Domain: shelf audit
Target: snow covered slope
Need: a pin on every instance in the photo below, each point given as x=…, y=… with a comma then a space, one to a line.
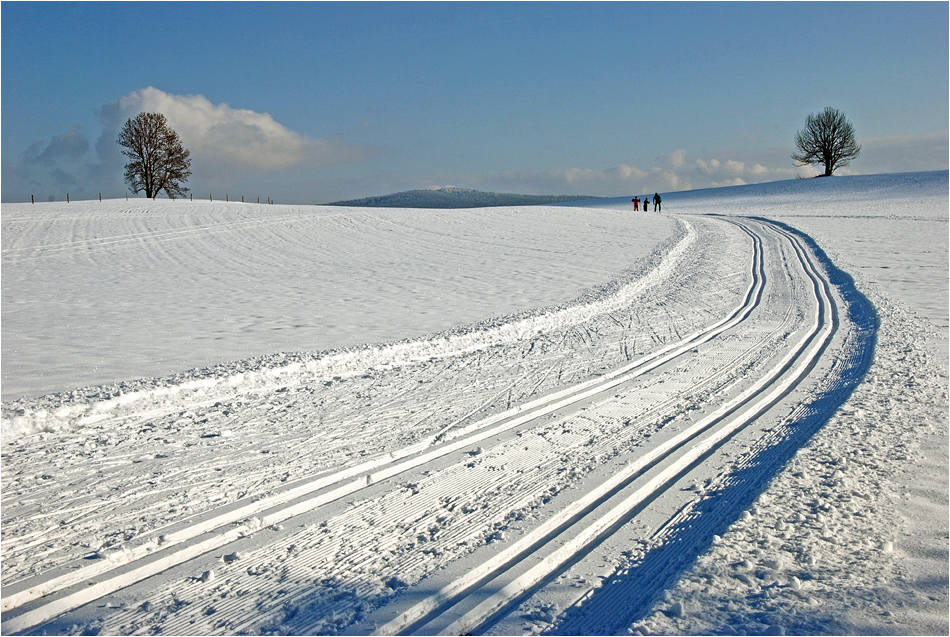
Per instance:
x=726, y=433
x=105, y=292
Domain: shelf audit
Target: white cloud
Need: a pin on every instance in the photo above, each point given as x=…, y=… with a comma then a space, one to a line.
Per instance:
x=678, y=158
x=734, y=167
x=678, y=171
x=675, y=172
x=711, y=166
x=629, y=173
x=232, y=150
x=735, y=181
x=225, y=135
x=69, y=146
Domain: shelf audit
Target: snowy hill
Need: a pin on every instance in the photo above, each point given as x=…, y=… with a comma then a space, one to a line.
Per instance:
x=452, y=197
x=728, y=418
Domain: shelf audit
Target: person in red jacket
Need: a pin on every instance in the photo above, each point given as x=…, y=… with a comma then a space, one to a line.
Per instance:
x=636, y=203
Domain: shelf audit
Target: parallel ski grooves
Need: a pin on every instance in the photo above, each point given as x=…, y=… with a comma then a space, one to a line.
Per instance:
x=310, y=495
x=693, y=444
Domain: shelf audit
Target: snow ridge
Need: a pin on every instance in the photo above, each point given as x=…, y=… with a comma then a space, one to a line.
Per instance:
x=287, y=370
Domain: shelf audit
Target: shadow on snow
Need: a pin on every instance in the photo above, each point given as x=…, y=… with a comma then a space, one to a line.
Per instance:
x=629, y=596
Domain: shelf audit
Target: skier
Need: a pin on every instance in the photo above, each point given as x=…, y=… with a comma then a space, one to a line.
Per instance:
x=656, y=202
x=636, y=203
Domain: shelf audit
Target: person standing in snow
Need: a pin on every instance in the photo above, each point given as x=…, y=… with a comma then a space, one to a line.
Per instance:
x=656, y=202
x=636, y=203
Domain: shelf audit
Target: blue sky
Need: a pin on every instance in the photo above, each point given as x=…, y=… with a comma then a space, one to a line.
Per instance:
x=316, y=102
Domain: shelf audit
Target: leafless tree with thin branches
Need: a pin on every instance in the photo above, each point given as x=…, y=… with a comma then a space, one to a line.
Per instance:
x=827, y=139
x=157, y=159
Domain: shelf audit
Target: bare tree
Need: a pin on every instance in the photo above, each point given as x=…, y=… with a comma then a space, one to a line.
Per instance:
x=157, y=159
x=827, y=139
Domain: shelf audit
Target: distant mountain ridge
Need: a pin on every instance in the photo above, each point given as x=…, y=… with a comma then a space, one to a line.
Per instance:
x=452, y=197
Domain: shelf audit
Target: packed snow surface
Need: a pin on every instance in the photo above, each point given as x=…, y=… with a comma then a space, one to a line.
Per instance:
x=104, y=292
x=729, y=417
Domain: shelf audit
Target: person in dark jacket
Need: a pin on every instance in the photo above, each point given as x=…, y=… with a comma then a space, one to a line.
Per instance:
x=656, y=202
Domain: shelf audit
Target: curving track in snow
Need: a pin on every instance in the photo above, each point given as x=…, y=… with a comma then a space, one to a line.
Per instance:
x=566, y=536
x=450, y=485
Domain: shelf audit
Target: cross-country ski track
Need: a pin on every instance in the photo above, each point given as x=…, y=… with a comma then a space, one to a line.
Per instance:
x=437, y=486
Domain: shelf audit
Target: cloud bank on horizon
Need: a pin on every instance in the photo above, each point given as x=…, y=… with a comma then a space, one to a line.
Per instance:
x=233, y=147
x=678, y=171
x=224, y=142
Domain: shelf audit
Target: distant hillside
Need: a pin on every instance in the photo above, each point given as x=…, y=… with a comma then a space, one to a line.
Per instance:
x=456, y=198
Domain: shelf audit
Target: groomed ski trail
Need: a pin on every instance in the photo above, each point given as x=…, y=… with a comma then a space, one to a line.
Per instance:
x=579, y=525
x=483, y=481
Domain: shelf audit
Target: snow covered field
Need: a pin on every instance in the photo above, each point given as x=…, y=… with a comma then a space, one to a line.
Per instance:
x=104, y=292
x=566, y=419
